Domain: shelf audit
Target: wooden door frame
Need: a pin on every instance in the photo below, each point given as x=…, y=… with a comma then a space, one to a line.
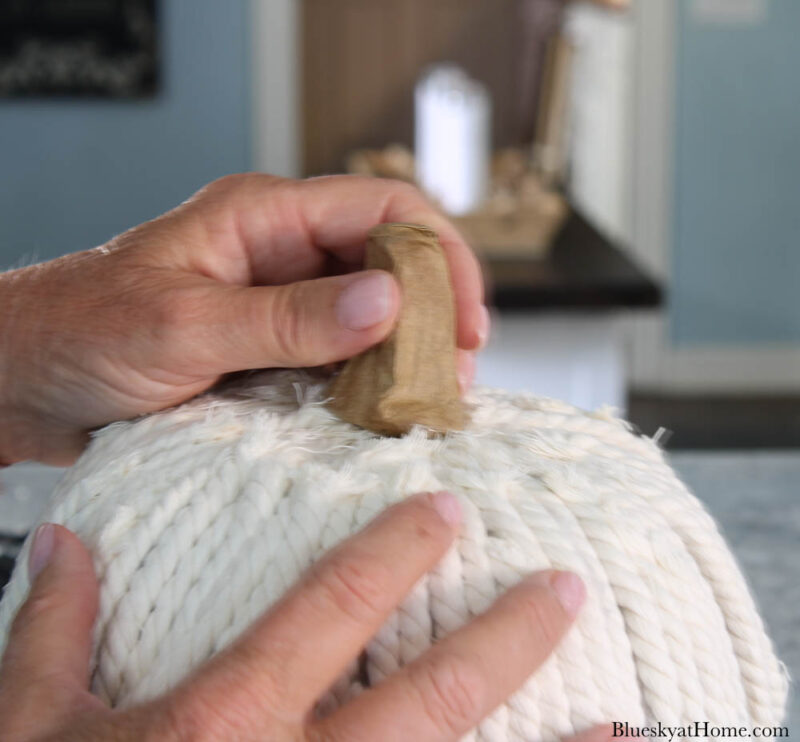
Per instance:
x=275, y=76
x=656, y=363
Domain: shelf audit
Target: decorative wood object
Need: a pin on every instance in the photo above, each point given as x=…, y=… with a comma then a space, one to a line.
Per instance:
x=410, y=378
x=362, y=58
x=520, y=217
x=551, y=145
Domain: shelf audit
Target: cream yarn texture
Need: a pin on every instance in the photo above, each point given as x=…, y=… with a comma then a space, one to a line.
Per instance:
x=200, y=517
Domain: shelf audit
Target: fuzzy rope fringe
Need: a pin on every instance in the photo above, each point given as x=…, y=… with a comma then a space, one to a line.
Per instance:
x=200, y=517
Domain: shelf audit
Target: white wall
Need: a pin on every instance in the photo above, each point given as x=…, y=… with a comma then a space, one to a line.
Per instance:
x=600, y=115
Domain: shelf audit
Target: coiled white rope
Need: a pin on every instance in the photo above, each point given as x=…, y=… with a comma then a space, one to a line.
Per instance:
x=200, y=517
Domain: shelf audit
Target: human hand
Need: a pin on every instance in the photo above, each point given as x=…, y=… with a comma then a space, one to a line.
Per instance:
x=237, y=277
x=265, y=685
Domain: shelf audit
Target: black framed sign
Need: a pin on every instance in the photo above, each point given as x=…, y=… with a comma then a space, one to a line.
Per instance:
x=79, y=48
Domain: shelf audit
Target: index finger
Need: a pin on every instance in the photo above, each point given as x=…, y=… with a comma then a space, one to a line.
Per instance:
x=286, y=227
x=361, y=203
x=292, y=655
x=449, y=689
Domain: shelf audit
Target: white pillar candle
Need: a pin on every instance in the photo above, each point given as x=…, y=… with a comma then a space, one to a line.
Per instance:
x=452, y=138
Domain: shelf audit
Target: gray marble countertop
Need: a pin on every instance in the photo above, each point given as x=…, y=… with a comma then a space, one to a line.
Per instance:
x=753, y=496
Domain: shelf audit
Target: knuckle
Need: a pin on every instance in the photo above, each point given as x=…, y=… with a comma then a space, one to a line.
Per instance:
x=424, y=523
x=404, y=189
x=254, y=669
x=213, y=721
x=228, y=183
x=41, y=603
x=189, y=716
x=154, y=721
x=408, y=195
x=542, y=623
x=232, y=180
x=174, y=722
x=288, y=326
x=354, y=586
x=452, y=692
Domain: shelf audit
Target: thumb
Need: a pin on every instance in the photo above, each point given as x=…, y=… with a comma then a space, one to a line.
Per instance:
x=308, y=323
x=46, y=662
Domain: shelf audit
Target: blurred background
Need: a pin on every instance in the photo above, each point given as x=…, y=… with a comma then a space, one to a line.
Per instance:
x=625, y=169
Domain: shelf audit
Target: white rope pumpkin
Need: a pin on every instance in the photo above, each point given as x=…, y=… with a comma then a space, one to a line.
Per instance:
x=200, y=517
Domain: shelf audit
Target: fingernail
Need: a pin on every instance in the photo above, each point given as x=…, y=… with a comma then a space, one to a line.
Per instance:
x=448, y=506
x=482, y=329
x=570, y=591
x=365, y=302
x=41, y=550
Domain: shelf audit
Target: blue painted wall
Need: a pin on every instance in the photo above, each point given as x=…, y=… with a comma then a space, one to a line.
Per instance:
x=74, y=173
x=736, y=269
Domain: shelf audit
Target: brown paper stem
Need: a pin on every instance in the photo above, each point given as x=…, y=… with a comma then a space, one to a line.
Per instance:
x=410, y=378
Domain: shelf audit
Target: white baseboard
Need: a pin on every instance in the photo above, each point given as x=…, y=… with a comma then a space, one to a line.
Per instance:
x=657, y=365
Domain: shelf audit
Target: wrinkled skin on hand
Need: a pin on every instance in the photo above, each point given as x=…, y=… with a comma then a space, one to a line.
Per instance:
x=248, y=273
x=265, y=685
